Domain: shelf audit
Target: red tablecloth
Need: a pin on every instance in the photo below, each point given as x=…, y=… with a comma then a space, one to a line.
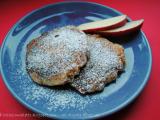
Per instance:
x=146, y=106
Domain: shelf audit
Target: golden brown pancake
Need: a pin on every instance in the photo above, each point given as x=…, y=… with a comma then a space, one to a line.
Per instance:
x=56, y=56
x=105, y=60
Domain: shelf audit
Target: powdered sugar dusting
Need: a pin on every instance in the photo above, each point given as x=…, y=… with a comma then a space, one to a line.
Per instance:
x=54, y=99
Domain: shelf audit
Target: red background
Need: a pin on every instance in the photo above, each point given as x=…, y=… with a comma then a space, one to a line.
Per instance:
x=146, y=106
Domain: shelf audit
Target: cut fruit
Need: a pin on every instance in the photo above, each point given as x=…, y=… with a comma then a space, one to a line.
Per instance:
x=105, y=24
x=128, y=28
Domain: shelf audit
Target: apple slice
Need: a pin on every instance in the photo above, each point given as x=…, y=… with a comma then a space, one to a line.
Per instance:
x=129, y=27
x=105, y=24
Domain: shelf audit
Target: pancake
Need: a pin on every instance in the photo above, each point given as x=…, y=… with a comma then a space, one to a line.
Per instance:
x=105, y=60
x=56, y=56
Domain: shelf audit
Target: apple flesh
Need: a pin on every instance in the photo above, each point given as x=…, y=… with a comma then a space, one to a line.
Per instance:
x=128, y=28
x=105, y=24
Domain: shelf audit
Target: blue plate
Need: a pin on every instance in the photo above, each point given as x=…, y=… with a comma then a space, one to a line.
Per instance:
x=66, y=103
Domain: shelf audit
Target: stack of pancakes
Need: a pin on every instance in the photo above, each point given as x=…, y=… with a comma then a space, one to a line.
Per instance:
x=68, y=55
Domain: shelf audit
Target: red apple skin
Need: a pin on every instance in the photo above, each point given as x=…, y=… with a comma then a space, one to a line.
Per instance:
x=107, y=27
x=120, y=33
